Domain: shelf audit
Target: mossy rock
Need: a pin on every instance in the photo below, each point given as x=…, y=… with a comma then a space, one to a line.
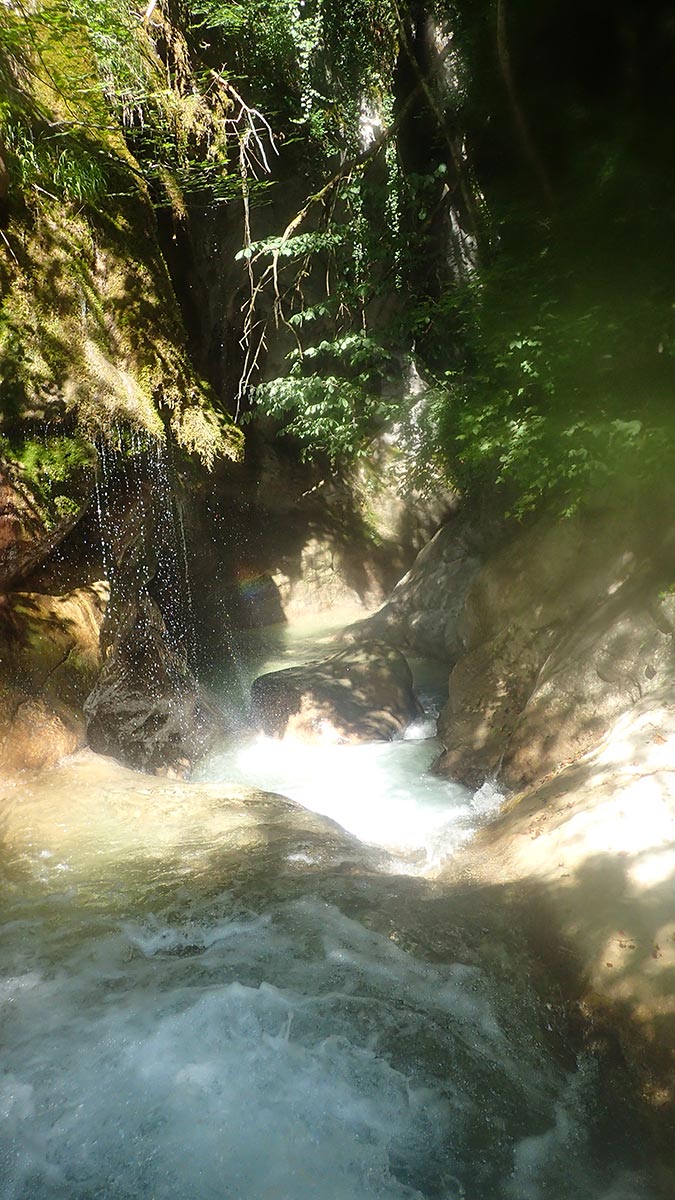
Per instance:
x=91, y=337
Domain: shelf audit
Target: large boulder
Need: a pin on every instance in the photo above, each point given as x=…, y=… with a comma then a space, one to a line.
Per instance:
x=489, y=688
x=564, y=630
x=616, y=657
x=424, y=612
x=49, y=660
x=147, y=708
x=363, y=694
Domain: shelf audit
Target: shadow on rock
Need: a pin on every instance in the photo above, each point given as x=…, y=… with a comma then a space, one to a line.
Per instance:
x=363, y=694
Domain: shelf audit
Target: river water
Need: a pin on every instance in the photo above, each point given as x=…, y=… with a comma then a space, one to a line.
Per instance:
x=201, y=1006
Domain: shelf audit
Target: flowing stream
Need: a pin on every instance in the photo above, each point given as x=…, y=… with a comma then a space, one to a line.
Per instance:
x=208, y=1002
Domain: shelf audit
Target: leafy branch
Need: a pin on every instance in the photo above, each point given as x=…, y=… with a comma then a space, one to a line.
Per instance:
x=288, y=244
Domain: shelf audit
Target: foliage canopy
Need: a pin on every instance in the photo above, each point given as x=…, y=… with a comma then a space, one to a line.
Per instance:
x=475, y=188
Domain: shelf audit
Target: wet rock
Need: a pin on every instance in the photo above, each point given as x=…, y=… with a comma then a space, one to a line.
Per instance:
x=49, y=659
x=489, y=687
x=146, y=708
x=116, y=826
x=27, y=536
x=363, y=694
x=615, y=658
x=35, y=518
x=252, y=600
x=21, y=528
x=591, y=853
x=273, y=540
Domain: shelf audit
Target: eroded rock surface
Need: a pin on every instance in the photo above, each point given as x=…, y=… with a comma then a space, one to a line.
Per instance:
x=425, y=610
x=615, y=658
x=363, y=694
x=26, y=535
x=147, y=707
x=565, y=628
x=99, y=816
x=49, y=660
x=592, y=854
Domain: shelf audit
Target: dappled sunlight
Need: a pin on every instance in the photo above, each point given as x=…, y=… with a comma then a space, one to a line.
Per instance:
x=379, y=791
x=228, y=960
x=210, y=1005
x=597, y=845
x=650, y=869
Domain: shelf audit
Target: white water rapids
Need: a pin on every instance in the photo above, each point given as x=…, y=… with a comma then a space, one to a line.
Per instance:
x=197, y=1008
x=381, y=792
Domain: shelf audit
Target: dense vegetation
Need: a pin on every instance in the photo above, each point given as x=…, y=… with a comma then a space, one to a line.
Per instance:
x=475, y=193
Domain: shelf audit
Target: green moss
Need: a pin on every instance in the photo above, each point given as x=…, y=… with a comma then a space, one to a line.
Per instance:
x=55, y=459
x=91, y=337
x=50, y=473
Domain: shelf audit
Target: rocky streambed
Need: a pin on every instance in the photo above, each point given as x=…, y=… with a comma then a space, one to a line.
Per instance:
x=208, y=990
x=475, y=997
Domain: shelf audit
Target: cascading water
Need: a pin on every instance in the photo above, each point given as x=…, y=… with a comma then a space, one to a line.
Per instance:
x=135, y=477
x=381, y=792
x=263, y=1009
x=147, y=706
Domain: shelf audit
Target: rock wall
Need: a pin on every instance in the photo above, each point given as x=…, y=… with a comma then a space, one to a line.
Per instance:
x=189, y=556
x=49, y=660
x=565, y=628
x=561, y=647
x=273, y=539
x=590, y=856
x=549, y=638
x=425, y=611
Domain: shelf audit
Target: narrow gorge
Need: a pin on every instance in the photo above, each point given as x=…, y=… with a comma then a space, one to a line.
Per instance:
x=337, y=600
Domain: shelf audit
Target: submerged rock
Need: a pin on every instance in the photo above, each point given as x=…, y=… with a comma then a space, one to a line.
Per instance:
x=112, y=824
x=363, y=694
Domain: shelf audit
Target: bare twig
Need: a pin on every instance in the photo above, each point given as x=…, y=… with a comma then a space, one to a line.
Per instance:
x=6, y=241
x=270, y=274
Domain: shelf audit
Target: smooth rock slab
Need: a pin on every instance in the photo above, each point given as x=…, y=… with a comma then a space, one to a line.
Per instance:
x=566, y=627
x=117, y=829
x=425, y=610
x=591, y=853
x=364, y=694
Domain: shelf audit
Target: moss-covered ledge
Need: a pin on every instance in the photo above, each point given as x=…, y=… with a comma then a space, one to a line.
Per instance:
x=92, y=342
